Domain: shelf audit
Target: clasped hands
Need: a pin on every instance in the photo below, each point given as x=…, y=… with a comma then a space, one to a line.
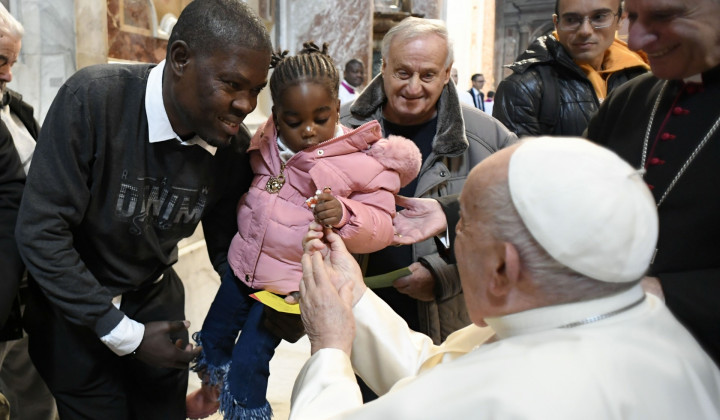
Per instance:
x=332, y=284
x=332, y=281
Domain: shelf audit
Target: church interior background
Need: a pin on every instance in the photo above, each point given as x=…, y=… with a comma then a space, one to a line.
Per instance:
x=62, y=36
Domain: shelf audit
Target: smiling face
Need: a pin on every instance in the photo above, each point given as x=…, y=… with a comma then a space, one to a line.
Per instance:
x=680, y=37
x=414, y=75
x=214, y=91
x=9, y=51
x=306, y=114
x=586, y=44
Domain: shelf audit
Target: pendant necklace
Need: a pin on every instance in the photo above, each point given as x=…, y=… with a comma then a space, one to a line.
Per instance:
x=689, y=160
x=276, y=182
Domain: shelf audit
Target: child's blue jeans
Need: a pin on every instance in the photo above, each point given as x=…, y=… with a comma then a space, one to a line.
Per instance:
x=242, y=367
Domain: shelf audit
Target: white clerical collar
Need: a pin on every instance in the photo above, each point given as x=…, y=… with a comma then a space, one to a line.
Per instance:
x=570, y=314
x=159, y=128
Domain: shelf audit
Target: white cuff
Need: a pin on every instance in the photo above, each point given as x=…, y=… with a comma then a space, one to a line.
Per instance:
x=125, y=338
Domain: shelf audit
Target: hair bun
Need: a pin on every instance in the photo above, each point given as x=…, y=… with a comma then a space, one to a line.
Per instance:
x=311, y=48
x=277, y=57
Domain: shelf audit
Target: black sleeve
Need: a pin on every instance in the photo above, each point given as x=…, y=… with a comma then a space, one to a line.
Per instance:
x=451, y=207
x=12, y=181
x=220, y=223
x=54, y=205
x=517, y=104
x=595, y=131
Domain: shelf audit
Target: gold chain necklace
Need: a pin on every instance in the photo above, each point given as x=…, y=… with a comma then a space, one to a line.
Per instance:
x=689, y=159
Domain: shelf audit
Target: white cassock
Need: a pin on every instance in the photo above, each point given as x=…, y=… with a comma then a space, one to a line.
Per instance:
x=347, y=93
x=637, y=363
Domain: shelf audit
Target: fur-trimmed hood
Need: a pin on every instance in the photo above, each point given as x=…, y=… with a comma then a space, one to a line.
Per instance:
x=450, y=137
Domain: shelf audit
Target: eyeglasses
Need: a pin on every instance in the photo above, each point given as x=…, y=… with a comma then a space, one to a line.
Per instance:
x=573, y=22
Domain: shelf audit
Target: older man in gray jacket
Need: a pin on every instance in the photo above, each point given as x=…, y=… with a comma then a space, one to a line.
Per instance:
x=412, y=97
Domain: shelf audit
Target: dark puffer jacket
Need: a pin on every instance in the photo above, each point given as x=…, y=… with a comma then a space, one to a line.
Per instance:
x=518, y=100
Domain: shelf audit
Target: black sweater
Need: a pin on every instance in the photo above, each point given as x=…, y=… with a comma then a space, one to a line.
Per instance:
x=104, y=209
x=687, y=258
x=12, y=181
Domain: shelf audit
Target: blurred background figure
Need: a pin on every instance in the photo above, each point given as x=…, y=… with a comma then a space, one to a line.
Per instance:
x=478, y=81
x=490, y=101
x=27, y=394
x=463, y=95
x=353, y=79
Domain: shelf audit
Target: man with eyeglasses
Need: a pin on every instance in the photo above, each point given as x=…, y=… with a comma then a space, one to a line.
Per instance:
x=478, y=81
x=559, y=82
x=412, y=97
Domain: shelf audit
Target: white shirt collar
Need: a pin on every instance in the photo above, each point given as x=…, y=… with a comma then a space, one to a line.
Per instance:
x=551, y=317
x=159, y=128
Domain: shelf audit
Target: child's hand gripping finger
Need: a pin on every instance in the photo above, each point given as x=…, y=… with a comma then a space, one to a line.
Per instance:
x=328, y=210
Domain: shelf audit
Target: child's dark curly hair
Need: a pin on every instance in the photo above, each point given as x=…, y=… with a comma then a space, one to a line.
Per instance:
x=311, y=64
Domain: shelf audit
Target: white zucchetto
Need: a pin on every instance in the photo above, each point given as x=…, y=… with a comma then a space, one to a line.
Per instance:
x=588, y=208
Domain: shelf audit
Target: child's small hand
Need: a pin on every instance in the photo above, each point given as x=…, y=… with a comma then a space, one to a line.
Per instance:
x=293, y=298
x=328, y=210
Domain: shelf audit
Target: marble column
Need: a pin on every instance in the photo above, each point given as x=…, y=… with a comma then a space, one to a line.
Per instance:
x=91, y=29
x=47, y=57
x=345, y=25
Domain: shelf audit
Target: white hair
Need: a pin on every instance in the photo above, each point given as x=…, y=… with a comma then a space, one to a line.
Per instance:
x=413, y=27
x=9, y=26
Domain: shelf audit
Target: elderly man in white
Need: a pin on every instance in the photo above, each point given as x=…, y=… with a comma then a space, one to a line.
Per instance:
x=553, y=239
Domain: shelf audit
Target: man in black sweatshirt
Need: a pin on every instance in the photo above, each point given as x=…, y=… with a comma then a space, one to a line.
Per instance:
x=130, y=159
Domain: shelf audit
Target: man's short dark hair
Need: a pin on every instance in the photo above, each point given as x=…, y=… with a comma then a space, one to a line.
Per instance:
x=207, y=25
x=557, y=8
x=475, y=76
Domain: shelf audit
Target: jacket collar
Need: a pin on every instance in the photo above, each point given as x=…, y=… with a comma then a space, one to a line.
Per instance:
x=548, y=49
x=450, y=136
x=10, y=97
x=544, y=49
x=23, y=110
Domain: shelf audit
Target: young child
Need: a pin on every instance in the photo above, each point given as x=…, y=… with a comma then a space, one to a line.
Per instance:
x=302, y=153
